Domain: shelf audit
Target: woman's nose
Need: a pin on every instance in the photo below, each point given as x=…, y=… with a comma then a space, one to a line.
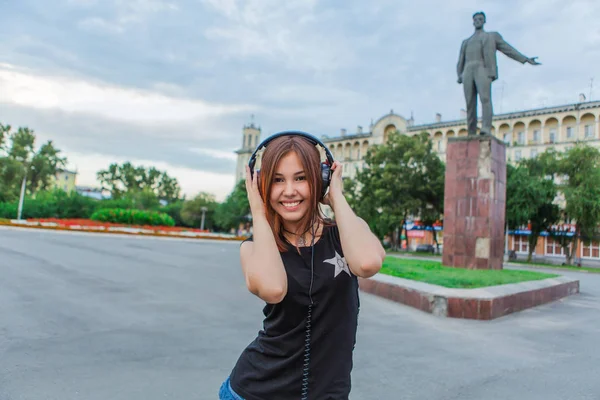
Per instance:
x=289, y=188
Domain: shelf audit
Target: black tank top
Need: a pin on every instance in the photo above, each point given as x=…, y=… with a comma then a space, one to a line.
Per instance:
x=273, y=365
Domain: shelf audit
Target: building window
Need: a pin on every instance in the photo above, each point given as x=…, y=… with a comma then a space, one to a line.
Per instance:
x=507, y=138
x=569, y=132
x=534, y=153
x=553, y=135
x=521, y=138
x=589, y=131
x=536, y=136
x=520, y=244
x=590, y=250
x=517, y=155
x=439, y=145
x=553, y=248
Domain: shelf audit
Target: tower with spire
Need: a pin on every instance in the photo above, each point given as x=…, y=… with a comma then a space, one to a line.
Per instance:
x=250, y=139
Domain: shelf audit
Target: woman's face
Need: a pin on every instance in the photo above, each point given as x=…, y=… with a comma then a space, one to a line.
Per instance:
x=290, y=192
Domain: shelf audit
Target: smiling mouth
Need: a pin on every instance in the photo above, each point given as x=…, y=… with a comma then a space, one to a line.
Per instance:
x=291, y=204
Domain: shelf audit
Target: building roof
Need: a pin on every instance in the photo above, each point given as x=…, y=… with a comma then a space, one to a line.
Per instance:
x=327, y=139
x=60, y=170
x=513, y=115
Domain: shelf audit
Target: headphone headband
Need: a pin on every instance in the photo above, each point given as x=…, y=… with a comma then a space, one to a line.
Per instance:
x=308, y=136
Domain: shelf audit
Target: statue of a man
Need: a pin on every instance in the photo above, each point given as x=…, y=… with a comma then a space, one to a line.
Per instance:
x=477, y=68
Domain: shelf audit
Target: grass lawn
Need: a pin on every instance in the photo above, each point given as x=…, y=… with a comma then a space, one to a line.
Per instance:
x=433, y=272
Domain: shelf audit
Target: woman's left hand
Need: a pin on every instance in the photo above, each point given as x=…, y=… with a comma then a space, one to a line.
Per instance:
x=336, y=186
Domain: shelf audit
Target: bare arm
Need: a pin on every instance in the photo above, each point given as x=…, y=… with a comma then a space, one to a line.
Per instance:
x=262, y=265
x=261, y=261
x=362, y=249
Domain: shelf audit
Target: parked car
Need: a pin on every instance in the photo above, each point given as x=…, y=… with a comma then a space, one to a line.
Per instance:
x=425, y=248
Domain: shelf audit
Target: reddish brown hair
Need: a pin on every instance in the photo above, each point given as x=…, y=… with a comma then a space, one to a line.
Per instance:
x=310, y=159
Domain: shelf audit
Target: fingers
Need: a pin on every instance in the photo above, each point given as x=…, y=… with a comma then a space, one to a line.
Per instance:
x=247, y=177
x=255, y=180
x=338, y=168
x=250, y=180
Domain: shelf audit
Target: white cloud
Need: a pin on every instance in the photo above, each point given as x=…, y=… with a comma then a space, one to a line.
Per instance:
x=145, y=6
x=287, y=32
x=311, y=94
x=82, y=3
x=96, y=24
x=136, y=11
x=227, y=155
x=27, y=89
x=127, y=13
x=190, y=180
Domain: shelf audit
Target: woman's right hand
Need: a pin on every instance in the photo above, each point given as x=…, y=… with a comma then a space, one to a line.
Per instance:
x=257, y=206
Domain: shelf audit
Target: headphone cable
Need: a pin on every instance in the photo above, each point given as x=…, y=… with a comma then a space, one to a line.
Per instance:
x=305, y=370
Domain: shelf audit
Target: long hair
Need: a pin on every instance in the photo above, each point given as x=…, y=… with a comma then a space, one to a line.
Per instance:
x=310, y=159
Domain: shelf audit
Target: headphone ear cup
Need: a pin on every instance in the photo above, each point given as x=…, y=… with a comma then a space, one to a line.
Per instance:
x=325, y=177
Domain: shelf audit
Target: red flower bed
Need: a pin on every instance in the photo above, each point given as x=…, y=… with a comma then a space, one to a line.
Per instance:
x=89, y=222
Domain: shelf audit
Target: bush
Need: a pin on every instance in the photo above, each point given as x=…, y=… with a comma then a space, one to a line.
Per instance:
x=174, y=210
x=51, y=204
x=133, y=217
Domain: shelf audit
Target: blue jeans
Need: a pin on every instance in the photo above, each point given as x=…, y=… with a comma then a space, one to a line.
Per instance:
x=227, y=393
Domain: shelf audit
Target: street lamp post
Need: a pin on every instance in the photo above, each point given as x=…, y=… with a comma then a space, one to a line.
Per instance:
x=202, y=222
x=22, y=196
x=506, y=243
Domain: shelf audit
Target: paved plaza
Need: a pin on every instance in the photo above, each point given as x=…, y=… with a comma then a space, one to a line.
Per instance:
x=95, y=317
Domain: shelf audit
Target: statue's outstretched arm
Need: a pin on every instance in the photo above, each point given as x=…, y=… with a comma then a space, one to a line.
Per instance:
x=508, y=50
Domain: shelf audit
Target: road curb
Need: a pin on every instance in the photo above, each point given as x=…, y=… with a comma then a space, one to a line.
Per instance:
x=121, y=231
x=481, y=304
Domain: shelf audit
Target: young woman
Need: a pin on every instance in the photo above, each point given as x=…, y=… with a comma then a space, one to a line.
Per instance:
x=305, y=268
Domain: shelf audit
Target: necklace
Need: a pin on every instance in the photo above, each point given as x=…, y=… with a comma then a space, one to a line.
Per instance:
x=301, y=241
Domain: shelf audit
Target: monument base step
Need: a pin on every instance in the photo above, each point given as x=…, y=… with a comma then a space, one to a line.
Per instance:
x=482, y=303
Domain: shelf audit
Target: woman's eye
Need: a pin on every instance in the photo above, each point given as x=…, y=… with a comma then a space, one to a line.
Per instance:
x=301, y=178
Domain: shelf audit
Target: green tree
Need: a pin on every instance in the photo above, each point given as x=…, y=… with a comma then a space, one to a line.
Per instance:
x=234, y=210
x=402, y=178
x=143, y=199
x=192, y=210
x=530, y=195
x=174, y=211
x=4, y=133
x=19, y=159
x=430, y=191
x=580, y=170
x=127, y=179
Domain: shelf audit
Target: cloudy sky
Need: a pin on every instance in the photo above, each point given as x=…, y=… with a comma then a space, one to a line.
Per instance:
x=171, y=83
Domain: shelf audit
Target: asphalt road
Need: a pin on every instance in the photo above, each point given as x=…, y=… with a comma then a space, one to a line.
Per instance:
x=98, y=317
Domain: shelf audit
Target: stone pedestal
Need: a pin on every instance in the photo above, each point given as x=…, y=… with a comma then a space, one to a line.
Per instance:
x=474, y=203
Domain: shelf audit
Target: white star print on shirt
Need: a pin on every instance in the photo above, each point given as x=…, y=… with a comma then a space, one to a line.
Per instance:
x=339, y=263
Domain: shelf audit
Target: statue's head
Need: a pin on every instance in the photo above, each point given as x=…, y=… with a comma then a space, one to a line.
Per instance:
x=479, y=19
